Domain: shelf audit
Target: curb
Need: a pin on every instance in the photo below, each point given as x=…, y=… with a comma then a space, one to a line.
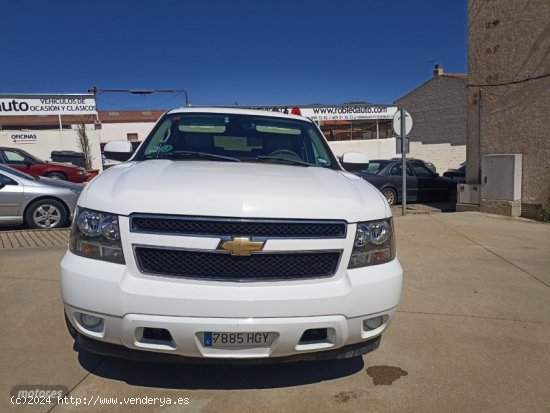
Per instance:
x=34, y=238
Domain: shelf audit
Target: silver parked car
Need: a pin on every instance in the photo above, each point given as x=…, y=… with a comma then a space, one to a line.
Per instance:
x=36, y=201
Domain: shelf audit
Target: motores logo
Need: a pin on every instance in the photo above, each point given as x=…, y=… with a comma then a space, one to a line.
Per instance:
x=38, y=391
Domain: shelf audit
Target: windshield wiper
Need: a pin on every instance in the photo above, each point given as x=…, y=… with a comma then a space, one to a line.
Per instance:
x=190, y=155
x=277, y=159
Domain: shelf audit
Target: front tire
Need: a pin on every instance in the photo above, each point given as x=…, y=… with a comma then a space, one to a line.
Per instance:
x=390, y=194
x=57, y=175
x=46, y=213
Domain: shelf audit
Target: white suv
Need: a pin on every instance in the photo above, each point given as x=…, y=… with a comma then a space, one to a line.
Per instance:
x=231, y=234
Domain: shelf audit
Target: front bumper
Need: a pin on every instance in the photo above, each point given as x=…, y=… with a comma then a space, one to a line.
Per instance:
x=128, y=302
x=114, y=350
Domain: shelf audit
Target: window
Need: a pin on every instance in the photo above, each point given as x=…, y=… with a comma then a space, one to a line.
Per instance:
x=4, y=180
x=396, y=170
x=14, y=157
x=421, y=170
x=375, y=167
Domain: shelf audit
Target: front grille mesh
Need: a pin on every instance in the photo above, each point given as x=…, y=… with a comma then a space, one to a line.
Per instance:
x=182, y=225
x=223, y=266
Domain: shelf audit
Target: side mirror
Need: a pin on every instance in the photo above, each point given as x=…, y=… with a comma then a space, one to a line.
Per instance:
x=2, y=185
x=354, y=161
x=118, y=150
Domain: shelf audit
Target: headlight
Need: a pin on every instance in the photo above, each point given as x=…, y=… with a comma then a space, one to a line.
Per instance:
x=374, y=243
x=96, y=235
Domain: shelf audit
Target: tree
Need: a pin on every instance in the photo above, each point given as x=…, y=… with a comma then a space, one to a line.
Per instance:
x=85, y=146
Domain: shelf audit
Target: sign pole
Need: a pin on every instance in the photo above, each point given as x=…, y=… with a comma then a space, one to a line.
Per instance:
x=60, y=124
x=404, y=166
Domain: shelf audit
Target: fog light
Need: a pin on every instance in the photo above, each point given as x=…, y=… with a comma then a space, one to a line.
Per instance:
x=90, y=321
x=373, y=323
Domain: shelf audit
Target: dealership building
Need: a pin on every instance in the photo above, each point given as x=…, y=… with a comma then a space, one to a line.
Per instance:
x=46, y=123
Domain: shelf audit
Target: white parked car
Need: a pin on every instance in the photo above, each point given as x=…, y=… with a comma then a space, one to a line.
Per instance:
x=231, y=234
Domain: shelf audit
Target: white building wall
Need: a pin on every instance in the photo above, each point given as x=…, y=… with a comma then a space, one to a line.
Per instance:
x=374, y=149
x=443, y=155
x=53, y=140
x=120, y=131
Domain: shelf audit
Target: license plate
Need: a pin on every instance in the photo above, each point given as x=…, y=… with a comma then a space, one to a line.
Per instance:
x=236, y=340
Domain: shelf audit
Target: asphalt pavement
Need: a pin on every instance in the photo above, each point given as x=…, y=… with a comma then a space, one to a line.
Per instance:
x=472, y=334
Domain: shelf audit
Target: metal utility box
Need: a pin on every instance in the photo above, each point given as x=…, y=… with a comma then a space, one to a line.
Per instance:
x=501, y=177
x=469, y=194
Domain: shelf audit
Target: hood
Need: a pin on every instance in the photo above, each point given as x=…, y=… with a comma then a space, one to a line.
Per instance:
x=58, y=183
x=227, y=189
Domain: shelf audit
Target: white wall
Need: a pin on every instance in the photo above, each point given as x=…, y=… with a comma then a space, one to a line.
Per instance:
x=53, y=140
x=442, y=155
x=119, y=131
x=373, y=148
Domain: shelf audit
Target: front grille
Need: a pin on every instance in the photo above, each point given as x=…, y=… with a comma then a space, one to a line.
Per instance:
x=229, y=227
x=227, y=267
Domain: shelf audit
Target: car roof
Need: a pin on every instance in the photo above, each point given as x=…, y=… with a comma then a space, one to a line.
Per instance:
x=408, y=159
x=237, y=111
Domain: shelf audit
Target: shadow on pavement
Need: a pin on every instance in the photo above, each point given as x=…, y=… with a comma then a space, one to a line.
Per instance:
x=228, y=377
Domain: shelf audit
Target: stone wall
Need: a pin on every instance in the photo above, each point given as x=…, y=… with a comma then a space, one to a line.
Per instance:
x=508, y=89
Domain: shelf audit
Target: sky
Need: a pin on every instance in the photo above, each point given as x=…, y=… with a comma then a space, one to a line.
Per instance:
x=248, y=52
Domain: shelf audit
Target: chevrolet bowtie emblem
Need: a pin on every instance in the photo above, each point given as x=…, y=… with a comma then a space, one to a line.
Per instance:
x=241, y=245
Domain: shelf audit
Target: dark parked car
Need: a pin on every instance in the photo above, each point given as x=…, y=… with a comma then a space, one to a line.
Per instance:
x=459, y=174
x=422, y=183
x=29, y=164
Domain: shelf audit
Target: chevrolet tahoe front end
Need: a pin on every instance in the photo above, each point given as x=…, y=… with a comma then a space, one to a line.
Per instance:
x=231, y=234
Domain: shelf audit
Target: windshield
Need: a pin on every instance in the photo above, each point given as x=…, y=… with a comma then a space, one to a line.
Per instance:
x=237, y=138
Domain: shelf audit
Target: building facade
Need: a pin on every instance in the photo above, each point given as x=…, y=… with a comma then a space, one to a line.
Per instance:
x=438, y=109
x=508, y=95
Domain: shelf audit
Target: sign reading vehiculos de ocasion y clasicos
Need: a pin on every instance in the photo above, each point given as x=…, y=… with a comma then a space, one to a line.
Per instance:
x=67, y=104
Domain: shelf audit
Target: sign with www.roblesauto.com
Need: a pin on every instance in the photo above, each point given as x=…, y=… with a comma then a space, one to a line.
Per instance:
x=21, y=105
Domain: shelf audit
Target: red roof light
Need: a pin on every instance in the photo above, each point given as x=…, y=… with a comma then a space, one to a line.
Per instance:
x=296, y=111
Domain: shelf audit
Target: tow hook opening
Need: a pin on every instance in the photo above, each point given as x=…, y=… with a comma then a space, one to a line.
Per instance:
x=314, y=335
x=152, y=337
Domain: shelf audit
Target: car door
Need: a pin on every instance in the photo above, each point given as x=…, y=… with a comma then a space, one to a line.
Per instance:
x=429, y=187
x=18, y=160
x=11, y=196
x=396, y=178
